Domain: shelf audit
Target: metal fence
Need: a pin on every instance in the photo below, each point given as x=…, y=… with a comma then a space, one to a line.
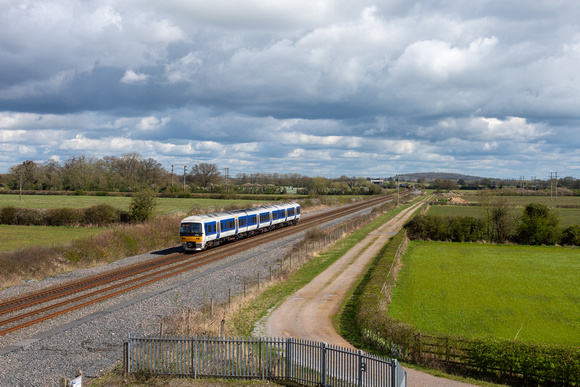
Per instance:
x=287, y=359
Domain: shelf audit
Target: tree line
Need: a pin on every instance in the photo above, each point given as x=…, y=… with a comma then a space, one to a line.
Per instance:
x=536, y=225
x=568, y=182
x=133, y=173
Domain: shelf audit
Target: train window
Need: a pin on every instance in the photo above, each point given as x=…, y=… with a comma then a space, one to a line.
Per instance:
x=190, y=228
x=291, y=212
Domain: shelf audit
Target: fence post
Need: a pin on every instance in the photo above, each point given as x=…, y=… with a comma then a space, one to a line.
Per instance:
x=195, y=357
x=323, y=364
x=260, y=356
x=394, y=373
x=289, y=358
x=129, y=353
x=125, y=358
x=360, y=368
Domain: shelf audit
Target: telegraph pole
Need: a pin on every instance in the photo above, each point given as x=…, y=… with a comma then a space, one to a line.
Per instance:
x=552, y=183
x=397, y=190
x=556, y=186
x=227, y=176
x=184, y=174
x=171, y=177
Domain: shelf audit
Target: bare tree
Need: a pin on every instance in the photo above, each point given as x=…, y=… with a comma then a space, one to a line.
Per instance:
x=28, y=171
x=204, y=174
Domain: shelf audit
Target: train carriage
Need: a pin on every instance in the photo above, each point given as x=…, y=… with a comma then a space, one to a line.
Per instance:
x=201, y=231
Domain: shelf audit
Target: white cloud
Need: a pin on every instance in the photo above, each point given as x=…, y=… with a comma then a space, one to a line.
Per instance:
x=307, y=85
x=12, y=135
x=131, y=77
x=153, y=123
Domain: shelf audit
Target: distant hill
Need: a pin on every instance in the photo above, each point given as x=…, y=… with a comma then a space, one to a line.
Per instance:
x=430, y=176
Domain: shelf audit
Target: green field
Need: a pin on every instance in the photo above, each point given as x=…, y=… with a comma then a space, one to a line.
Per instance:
x=524, y=292
x=16, y=237
x=166, y=205
x=568, y=216
x=521, y=201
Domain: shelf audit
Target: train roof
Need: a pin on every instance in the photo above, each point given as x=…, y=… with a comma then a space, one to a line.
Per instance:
x=229, y=214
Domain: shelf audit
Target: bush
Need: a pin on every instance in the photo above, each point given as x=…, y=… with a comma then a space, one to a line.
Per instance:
x=8, y=215
x=446, y=228
x=538, y=226
x=142, y=206
x=571, y=236
x=31, y=217
x=63, y=217
x=101, y=215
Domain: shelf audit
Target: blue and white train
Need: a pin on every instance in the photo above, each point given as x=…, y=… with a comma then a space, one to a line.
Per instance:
x=201, y=231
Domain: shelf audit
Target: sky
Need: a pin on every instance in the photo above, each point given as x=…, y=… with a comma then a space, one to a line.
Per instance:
x=315, y=87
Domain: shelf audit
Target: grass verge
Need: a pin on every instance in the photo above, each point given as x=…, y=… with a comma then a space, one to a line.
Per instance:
x=243, y=322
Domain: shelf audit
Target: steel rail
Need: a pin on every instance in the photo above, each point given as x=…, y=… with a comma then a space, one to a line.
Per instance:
x=113, y=275
x=198, y=261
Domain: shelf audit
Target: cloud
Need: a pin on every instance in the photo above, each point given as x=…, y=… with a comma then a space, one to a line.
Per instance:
x=131, y=77
x=327, y=87
x=153, y=123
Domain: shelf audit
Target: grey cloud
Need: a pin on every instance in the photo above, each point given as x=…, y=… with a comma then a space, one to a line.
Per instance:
x=327, y=87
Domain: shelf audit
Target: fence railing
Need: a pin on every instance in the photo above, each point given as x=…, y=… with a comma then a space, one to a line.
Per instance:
x=300, y=361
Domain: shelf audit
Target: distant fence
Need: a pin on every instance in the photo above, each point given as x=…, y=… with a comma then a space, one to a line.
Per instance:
x=285, y=359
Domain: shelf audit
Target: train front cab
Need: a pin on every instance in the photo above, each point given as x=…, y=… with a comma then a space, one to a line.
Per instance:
x=191, y=235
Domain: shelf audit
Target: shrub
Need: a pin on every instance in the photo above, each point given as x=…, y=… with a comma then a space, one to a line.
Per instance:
x=466, y=229
x=63, y=217
x=571, y=235
x=142, y=206
x=31, y=217
x=8, y=215
x=538, y=225
x=446, y=228
x=102, y=215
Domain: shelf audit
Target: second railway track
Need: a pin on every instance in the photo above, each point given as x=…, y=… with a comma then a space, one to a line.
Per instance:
x=31, y=308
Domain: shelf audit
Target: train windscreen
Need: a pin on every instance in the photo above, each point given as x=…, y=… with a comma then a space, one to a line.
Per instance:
x=190, y=228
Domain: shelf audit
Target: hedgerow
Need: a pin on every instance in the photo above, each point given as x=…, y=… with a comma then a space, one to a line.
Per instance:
x=97, y=215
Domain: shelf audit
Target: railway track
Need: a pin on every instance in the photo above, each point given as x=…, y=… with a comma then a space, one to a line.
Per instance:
x=31, y=308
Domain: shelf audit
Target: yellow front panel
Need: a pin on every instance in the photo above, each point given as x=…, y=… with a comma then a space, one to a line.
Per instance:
x=196, y=239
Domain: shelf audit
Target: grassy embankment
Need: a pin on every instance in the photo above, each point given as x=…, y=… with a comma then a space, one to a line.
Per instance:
x=243, y=322
x=17, y=237
x=531, y=293
x=94, y=247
